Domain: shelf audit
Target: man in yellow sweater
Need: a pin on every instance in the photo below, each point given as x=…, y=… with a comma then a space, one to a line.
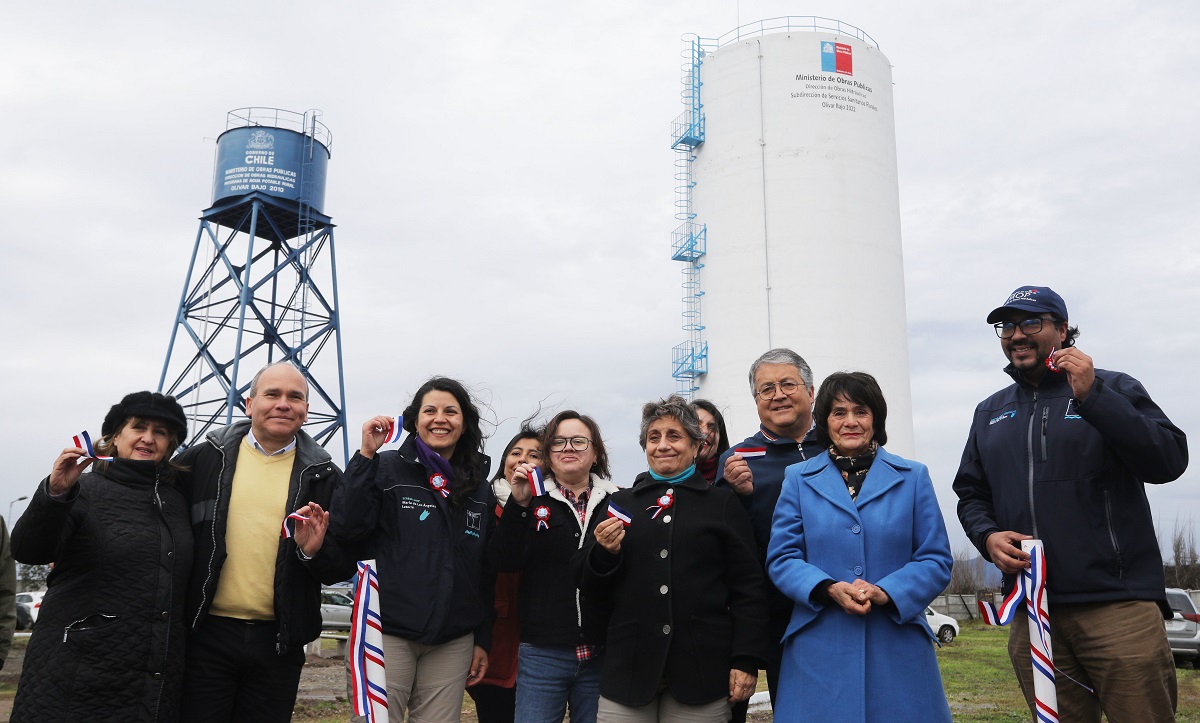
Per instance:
x=253, y=600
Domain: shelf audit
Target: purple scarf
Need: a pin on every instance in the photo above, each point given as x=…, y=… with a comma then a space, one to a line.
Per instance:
x=433, y=460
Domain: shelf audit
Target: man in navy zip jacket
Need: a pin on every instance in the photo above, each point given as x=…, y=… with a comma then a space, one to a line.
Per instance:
x=1062, y=455
x=781, y=383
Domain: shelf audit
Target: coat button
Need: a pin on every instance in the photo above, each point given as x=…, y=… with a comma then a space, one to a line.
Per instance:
x=577, y=534
x=667, y=518
x=171, y=553
x=666, y=630
x=856, y=529
x=662, y=590
x=662, y=553
x=858, y=569
x=158, y=676
x=164, y=615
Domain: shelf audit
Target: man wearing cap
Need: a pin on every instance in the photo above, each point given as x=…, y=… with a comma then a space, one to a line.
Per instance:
x=254, y=599
x=1062, y=455
x=781, y=383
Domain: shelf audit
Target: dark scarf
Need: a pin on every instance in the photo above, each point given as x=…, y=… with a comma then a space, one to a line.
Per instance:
x=708, y=468
x=854, y=469
x=434, y=461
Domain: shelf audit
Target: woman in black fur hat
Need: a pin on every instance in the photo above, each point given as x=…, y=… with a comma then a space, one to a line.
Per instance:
x=108, y=643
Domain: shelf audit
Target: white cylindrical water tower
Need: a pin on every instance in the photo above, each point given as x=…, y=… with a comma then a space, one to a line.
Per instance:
x=795, y=184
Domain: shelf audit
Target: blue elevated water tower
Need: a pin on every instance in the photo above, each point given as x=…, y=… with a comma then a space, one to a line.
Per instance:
x=262, y=283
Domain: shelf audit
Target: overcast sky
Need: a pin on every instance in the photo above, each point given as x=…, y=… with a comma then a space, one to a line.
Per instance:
x=502, y=185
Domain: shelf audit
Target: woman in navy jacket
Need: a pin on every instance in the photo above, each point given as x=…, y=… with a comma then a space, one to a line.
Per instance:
x=859, y=544
x=424, y=513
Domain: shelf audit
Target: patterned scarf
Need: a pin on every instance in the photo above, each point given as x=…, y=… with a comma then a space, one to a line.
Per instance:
x=854, y=469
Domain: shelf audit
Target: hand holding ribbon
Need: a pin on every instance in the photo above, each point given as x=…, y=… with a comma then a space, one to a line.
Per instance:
x=311, y=523
x=67, y=468
x=378, y=431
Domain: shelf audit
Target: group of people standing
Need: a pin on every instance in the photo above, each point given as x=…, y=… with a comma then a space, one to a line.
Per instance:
x=808, y=550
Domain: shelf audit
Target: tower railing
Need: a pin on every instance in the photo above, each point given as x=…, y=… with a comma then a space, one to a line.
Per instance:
x=786, y=23
x=305, y=123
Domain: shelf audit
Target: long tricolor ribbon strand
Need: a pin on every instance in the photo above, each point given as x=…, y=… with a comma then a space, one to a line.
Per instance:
x=1030, y=588
x=367, y=678
x=83, y=441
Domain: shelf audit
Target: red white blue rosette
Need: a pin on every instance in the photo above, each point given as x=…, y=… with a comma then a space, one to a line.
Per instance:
x=1050, y=360
x=439, y=484
x=542, y=513
x=664, y=502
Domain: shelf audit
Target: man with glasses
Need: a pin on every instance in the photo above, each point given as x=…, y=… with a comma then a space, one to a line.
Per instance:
x=1062, y=455
x=781, y=383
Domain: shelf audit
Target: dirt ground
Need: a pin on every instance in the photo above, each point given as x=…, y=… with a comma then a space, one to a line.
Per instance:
x=323, y=679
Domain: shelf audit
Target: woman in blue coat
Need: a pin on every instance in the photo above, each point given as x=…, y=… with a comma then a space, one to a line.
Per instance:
x=859, y=544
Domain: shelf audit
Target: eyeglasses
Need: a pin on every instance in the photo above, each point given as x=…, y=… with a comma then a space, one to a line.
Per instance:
x=1029, y=327
x=579, y=444
x=767, y=391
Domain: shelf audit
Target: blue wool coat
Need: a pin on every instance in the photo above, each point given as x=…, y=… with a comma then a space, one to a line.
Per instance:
x=873, y=667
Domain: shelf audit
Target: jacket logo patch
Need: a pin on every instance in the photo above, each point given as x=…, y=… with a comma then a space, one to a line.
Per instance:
x=1071, y=413
x=1010, y=414
x=474, y=519
x=424, y=514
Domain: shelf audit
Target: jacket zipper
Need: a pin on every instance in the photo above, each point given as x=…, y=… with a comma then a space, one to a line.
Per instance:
x=212, y=555
x=1029, y=461
x=1112, y=534
x=170, y=594
x=1045, y=419
x=67, y=629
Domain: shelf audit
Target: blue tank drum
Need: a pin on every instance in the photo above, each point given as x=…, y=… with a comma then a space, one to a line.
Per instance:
x=279, y=162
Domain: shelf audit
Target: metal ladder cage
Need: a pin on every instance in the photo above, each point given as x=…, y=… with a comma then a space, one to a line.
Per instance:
x=689, y=359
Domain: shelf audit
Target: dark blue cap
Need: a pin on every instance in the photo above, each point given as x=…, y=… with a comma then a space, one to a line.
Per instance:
x=1035, y=299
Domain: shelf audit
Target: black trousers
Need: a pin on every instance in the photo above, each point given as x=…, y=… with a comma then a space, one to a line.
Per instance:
x=233, y=674
x=494, y=704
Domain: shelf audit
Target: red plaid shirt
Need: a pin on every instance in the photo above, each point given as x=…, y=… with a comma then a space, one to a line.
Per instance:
x=580, y=503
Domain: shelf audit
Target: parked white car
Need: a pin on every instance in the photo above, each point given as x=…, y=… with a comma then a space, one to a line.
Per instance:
x=944, y=627
x=336, y=608
x=33, y=599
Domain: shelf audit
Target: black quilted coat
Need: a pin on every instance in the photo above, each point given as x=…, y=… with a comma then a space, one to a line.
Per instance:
x=109, y=640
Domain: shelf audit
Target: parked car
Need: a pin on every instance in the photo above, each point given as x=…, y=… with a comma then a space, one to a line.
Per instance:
x=24, y=616
x=336, y=608
x=944, y=627
x=1183, y=630
x=33, y=598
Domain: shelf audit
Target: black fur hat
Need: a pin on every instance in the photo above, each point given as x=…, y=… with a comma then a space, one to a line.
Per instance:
x=146, y=405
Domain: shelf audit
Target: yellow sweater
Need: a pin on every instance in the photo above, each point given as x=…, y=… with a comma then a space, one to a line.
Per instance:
x=257, y=506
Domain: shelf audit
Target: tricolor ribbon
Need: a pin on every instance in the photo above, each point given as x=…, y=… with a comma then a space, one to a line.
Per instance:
x=664, y=501
x=396, y=431
x=288, y=530
x=542, y=513
x=84, y=441
x=537, y=482
x=438, y=482
x=747, y=452
x=1050, y=361
x=367, y=680
x=1030, y=588
x=620, y=514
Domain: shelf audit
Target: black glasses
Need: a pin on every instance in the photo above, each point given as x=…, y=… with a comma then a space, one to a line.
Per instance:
x=1029, y=327
x=767, y=391
x=579, y=444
